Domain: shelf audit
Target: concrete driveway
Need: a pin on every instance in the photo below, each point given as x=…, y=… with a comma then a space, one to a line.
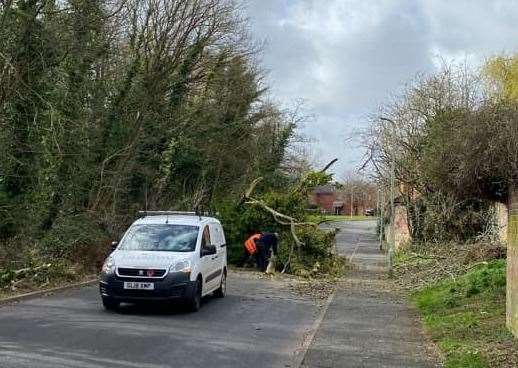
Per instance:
x=261, y=323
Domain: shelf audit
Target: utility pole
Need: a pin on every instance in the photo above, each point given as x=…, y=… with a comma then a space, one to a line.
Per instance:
x=379, y=212
x=392, y=208
x=352, y=201
x=392, y=242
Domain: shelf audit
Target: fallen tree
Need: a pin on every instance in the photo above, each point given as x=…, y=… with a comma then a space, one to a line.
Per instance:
x=287, y=209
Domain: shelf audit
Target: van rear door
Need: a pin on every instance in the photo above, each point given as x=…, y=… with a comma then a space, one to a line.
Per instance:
x=218, y=239
x=208, y=262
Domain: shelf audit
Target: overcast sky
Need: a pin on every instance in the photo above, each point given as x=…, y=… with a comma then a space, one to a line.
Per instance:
x=345, y=57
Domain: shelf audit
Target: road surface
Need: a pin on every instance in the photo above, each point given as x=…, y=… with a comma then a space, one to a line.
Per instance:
x=260, y=323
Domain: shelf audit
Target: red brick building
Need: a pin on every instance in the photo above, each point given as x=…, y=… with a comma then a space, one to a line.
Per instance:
x=331, y=200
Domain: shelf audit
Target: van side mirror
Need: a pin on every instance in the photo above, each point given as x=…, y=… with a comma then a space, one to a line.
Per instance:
x=208, y=250
x=114, y=244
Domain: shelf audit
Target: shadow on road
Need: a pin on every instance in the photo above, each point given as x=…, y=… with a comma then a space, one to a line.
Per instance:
x=161, y=308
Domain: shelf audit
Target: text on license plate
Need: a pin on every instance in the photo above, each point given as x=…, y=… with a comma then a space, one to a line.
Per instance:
x=139, y=285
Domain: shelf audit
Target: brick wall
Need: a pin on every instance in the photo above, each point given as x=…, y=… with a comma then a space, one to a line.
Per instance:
x=512, y=264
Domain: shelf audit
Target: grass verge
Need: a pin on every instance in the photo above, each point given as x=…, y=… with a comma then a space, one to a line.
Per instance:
x=465, y=315
x=323, y=218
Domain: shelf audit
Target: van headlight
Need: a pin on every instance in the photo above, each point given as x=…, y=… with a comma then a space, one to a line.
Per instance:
x=108, y=266
x=181, y=266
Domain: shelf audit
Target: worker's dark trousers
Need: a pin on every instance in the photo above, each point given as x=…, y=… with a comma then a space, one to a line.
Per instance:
x=245, y=258
x=260, y=257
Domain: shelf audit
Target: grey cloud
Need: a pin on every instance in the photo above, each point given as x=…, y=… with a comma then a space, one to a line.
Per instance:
x=372, y=62
x=345, y=57
x=477, y=27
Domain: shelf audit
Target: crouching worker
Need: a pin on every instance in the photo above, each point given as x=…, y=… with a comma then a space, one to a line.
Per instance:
x=249, y=250
x=266, y=246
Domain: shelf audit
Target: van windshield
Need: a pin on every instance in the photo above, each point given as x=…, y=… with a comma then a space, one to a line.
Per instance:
x=160, y=237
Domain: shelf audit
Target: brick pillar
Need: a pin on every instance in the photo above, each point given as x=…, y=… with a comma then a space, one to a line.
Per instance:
x=501, y=220
x=512, y=263
x=402, y=236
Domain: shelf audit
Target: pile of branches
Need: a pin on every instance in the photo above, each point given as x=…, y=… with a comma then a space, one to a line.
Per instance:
x=10, y=279
x=426, y=264
x=35, y=275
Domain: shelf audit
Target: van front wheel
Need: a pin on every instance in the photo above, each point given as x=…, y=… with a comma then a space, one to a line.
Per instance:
x=222, y=290
x=110, y=304
x=194, y=302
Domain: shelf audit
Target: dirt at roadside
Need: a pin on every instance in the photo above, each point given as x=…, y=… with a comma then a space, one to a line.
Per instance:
x=427, y=264
x=317, y=289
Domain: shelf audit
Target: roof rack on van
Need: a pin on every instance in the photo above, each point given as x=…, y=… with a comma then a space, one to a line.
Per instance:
x=171, y=213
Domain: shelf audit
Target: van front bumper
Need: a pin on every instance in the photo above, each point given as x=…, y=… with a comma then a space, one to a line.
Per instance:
x=175, y=286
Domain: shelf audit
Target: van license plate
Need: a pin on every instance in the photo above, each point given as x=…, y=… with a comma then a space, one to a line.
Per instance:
x=139, y=285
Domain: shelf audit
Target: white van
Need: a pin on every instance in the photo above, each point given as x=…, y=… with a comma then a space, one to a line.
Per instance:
x=169, y=256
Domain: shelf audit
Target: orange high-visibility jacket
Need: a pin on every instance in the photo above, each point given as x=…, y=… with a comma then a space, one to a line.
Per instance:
x=250, y=246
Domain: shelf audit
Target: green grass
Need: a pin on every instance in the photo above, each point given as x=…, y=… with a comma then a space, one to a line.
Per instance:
x=466, y=316
x=322, y=218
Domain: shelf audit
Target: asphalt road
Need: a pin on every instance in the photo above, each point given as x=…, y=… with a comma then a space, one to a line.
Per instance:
x=260, y=323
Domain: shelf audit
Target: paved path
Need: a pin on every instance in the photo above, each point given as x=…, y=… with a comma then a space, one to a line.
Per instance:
x=366, y=325
x=358, y=242
x=261, y=323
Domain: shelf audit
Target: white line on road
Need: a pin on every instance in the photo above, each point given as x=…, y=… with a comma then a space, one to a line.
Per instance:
x=300, y=354
x=355, y=248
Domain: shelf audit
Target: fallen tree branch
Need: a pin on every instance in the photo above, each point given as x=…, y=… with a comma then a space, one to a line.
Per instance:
x=421, y=256
x=257, y=202
x=276, y=214
x=252, y=186
x=306, y=176
x=329, y=165
x=30, y=269
x=485, y=263
x=18, y=275
x=279, y=217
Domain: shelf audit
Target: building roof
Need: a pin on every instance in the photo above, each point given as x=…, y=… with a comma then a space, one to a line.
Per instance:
x=324, y=189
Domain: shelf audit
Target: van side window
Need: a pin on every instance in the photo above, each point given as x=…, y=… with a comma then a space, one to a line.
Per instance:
x=205, y=240
x=215, y=234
